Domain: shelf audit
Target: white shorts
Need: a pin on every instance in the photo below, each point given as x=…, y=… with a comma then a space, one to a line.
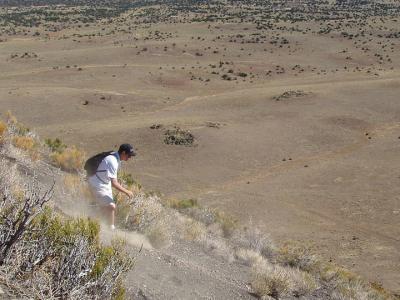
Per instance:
x=104, y=200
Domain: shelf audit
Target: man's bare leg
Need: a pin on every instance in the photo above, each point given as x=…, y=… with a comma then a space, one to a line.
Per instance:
x=109, y=214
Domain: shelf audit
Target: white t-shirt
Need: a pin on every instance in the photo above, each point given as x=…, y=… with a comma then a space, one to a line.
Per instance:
x=107, y=170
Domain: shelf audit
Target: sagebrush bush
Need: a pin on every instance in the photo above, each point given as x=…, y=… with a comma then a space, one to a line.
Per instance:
x=71, y=159
x=49, y=256
x=253, y=238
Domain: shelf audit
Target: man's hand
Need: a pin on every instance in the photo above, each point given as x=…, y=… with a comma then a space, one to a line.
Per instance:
x=120, y=188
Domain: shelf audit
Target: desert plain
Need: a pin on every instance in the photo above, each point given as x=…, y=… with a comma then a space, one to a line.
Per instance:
x=296, y=120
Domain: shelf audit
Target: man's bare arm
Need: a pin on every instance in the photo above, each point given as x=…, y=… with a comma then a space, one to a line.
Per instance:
x=116, y=184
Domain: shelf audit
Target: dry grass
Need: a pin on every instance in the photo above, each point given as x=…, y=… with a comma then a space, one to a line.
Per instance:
x=181, y=203
x=350, y=286
x=194, y=231
x=228, y=223
x=3, y=130
x=75, y=185
x=218, y=247
x=71, y=159
x=28, y=144
x=123, y=212
x=146, y=215
x=24, y=142
x=248, y=257
x=297, y=255
x=17, y=128
x=278, y=281
x=11, y=118
x=15, y=134
x=72, y=182
x=144, y=211
x=358, y=290
x=254, y=239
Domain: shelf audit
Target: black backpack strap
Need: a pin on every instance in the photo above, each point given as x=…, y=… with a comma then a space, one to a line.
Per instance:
x=98, y=177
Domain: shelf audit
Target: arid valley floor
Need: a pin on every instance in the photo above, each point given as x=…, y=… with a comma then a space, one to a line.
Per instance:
x=296, y=125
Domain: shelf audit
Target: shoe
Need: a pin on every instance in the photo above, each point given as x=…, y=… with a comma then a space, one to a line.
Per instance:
x=112, y=227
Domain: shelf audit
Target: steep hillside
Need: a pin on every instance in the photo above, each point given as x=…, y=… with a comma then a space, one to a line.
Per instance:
x=180, y=250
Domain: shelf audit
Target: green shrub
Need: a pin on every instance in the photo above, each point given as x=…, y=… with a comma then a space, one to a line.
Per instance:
x=182, y=203
x=55, y=145
x=59, y=229
x=103, y=265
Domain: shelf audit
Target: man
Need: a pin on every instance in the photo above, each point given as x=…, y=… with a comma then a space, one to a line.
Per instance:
x=105, y=178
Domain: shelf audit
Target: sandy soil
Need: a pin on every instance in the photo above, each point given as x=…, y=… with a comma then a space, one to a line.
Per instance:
x=321, y=167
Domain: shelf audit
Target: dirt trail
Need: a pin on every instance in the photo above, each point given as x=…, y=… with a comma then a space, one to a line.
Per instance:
x=185, y=271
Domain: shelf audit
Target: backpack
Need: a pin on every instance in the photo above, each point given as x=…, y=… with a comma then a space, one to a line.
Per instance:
x=92, y=164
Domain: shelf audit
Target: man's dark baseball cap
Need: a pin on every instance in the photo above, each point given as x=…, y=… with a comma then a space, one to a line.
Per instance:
x=128, y=149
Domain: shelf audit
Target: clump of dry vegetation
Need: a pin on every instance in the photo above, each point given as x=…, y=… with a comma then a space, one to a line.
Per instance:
x=145, y=214
x=281, y=282
x=297, y=255
x=181, y=203
x=290, y=94
x=71, y=159
x=3, y=130
x=15, y=134
x=178, y=136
